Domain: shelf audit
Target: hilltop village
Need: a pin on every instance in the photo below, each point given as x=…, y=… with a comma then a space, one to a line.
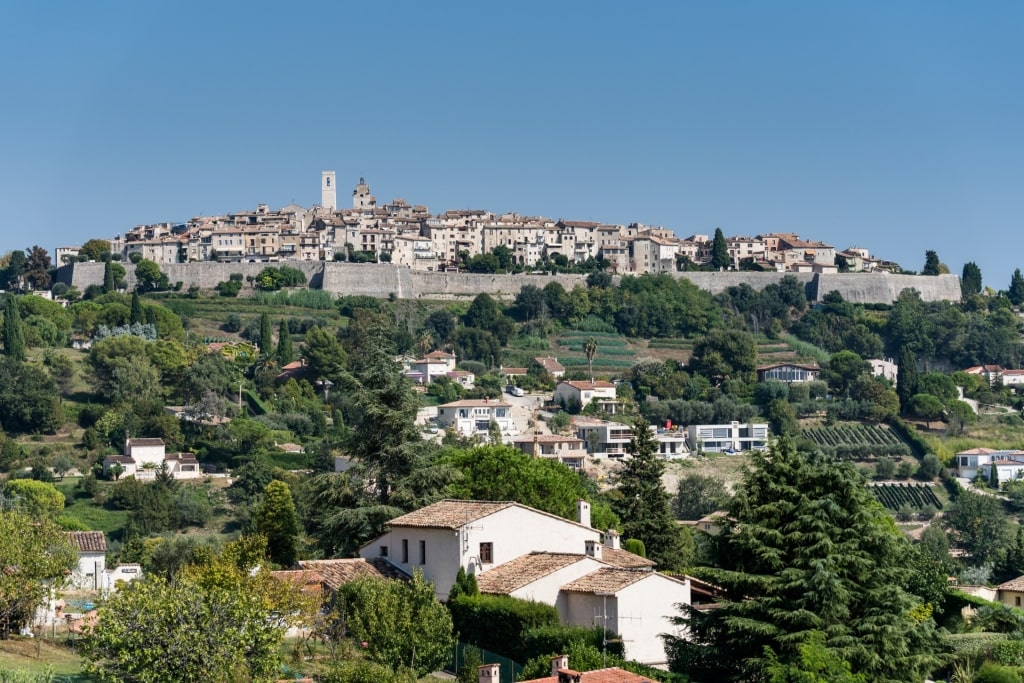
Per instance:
x=381, y=445
x=474, y=240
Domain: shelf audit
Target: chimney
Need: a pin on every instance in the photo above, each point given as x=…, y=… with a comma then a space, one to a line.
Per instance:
x=593, y=549
x=488, y=673
x=611, y=539
x=583, y=512
x=557, y=662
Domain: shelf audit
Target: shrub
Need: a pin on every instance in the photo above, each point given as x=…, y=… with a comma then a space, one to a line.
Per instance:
x=996, y=673
x=498, y=623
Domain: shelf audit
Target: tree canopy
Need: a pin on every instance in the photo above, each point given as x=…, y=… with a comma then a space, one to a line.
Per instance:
x=809, y=551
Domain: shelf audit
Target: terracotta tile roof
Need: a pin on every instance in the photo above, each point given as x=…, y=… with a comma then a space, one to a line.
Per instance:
x=550, y=364
x=306, y=580
x=439, y=354
x=88, y=541
x=805, y=366
x=513, y=371
x=523, y=571
x=1012, y=585
x=449, y=514
x=606, y=580
x=187, y=458
x=335, y=573
x=590, y=386
x=624, y=559
x=609, y=675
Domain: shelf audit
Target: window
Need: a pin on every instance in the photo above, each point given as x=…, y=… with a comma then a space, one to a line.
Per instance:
x=1018, y=600
x=405, y=551
x=423, y=552
x=383, y=551
x=487, y=555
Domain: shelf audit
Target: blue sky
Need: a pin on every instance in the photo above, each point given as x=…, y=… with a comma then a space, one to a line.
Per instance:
x=893, y=126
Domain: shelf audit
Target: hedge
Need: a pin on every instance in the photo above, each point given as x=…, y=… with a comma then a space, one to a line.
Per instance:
x=555, y=640
x=498, y=623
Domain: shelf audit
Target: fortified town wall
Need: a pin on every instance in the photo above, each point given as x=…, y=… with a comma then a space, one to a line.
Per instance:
x=384, y=279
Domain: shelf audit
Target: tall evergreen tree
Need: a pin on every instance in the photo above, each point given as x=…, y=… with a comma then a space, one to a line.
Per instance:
x=277, y=520
x=1016, y=291
x=809, y=551
x=970, y=279
x=138, y=316
x=285, y=353
x=931, y=263
x=266, y=335
x=719, y=251
x=644, y=506
x=108, y=277
x=907, y=377
x=384, y=437
x=14, y=336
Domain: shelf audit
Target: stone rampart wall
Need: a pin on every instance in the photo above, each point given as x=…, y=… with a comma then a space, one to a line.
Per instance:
x=385, y=279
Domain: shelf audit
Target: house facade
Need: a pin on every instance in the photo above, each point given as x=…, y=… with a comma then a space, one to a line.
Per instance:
x=476, y=536
x=143, y=458
x=473, y=417
x=1008, y=463
x=519, y=551
x=568, y=450
x=583, y=393
x=790, y=373
x=732, y=437
x=92, y=560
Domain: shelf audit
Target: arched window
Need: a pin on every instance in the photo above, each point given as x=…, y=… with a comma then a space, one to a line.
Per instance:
x=328, y=182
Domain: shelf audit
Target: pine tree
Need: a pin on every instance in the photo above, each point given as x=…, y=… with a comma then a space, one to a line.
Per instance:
x=644, y=506
x=809, y=551
x=108, y=277
x=719, y=251
x=266, y=335
x=907, y=377
x=138, y=315
x=14, y=336
x=285, y=353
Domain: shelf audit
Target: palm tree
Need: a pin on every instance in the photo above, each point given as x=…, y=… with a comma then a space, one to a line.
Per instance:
x=590, y=348
x=425, y=342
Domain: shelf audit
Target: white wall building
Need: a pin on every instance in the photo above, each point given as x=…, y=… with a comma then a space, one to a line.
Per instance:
x=143, y=457
x=473, y=417
x=92, y=559
x=734, y=436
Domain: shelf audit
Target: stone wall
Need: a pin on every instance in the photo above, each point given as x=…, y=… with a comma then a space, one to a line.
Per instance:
x=384, y=279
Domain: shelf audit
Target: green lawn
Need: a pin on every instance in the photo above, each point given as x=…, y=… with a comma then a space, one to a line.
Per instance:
x=30, y=655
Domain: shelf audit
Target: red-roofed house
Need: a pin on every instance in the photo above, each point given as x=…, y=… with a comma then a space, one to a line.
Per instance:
x=583, y=393
x=516, y=550
x=553, y=367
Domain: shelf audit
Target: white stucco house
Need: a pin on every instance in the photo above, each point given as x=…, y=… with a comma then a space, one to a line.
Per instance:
x=473, y=417
x=1008, y=463
x=143, y=458
x=526, y=553
x=92, y=560
x=584, y=393
x=725, y=438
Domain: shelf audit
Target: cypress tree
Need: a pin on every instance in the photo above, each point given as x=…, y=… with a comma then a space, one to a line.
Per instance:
x=14, y=336
x=108, y=277
x=1016, y=291
x=138, y=316
x=970, y=279
x=266, y=335
x=285, y=353
x=719, y=251
x=931, y=263
x=907, y=377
